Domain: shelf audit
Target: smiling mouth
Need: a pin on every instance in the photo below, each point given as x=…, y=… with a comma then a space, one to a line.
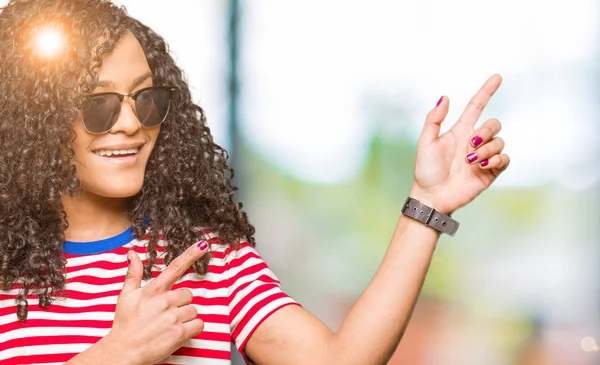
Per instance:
x=117, y=153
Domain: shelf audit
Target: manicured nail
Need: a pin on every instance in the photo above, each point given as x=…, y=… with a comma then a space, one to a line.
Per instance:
x=439, y=102
x=484, y=163
x=203, y=245
x=476, y=141
x=128, y=261
x=472, y=157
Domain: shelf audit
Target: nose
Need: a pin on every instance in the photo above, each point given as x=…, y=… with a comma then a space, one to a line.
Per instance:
x=127, y=121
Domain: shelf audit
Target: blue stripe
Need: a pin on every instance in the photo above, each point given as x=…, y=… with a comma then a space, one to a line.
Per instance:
x=107, y=244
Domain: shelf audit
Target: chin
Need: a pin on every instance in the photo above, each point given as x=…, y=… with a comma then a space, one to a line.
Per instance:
x=121, y=192
x=114, y=189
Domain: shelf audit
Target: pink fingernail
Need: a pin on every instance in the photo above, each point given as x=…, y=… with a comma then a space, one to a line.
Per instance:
x=203, y=245
x=128, y=261
x=476, y=141
x=472, y=157
x=439, y=102
x=484, y=163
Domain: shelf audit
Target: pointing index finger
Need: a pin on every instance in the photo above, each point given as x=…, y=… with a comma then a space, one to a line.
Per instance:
x=177, y=267
x=479, y=101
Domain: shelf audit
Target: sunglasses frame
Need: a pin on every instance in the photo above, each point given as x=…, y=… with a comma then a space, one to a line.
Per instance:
x=133, y=97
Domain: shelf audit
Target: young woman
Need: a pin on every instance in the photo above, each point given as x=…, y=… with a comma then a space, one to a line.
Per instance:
x=119, y=239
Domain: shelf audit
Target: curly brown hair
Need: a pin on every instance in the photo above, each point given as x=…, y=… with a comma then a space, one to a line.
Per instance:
x=187, y=183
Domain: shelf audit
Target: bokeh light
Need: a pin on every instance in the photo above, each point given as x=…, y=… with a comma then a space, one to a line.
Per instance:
x=588, y=344
x=49, y=41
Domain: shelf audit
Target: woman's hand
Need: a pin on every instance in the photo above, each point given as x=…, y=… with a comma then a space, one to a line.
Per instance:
x=454, y=168
x=154, y=321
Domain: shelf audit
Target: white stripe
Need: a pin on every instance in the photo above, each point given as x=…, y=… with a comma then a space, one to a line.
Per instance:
x=251, y=303
x=97, y=273
x=240, y=252
x=101, y=316
x=94, y=289
x=73, y=331
x=78, y=303
x=206, y=344
x=254, y=283
x=216, y=327
x=250, y=263
x=44, y=350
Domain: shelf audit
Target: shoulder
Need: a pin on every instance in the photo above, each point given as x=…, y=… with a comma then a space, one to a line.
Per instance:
x=229, y=253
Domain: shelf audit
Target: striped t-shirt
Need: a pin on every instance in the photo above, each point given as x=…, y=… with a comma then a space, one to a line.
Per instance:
x=233, y=298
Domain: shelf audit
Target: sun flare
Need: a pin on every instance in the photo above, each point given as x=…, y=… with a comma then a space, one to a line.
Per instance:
x=49, y=42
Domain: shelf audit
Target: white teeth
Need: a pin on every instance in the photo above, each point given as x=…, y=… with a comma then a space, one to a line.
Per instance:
x=109, y=153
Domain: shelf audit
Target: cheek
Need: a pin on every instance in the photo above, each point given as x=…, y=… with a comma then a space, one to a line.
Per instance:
x=82, y=140
x=153, y=136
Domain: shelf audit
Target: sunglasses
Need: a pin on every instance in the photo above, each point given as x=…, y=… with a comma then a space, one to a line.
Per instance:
x=152, y=105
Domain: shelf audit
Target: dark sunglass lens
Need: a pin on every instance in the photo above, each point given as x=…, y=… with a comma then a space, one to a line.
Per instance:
x=152, y=106
x=101, y=113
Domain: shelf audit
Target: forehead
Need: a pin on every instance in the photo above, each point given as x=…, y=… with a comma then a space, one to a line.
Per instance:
x=124, y=65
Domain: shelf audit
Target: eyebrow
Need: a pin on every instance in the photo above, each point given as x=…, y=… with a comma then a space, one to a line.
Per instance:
x=137, y=82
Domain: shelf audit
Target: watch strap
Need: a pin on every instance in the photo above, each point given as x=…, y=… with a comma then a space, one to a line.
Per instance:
x=430, y=217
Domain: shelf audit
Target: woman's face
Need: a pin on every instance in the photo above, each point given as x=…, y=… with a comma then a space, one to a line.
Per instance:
x=124, y=71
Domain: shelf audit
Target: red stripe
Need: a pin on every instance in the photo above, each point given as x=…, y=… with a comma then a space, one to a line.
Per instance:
x=214, y=318
x=252, y=312
x=55, y=308
x=72, y=294
x=214, y=336
x=98, y=281
x=264, y=279
x=229, y=250
x=247, y=298
x=251, y=270
x=38, y=359
x=203, y=353
x=32, y=323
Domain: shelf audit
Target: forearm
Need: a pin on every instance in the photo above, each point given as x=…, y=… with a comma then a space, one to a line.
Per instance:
x=103, y=352
x=373, y=328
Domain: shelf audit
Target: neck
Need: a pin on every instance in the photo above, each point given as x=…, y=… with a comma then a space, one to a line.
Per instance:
x=92, y=217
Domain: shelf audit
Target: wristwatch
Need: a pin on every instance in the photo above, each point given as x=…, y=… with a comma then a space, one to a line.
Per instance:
x=429, y=216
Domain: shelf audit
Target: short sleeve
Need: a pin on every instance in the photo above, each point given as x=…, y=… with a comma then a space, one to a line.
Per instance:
x=254, y=293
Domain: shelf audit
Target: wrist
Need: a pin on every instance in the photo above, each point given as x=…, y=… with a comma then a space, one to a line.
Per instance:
x=115, y=350
x=429, y=199
x=423, y=208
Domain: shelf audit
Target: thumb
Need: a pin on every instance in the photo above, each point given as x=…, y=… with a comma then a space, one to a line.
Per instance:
x=135, y=271
x=431, y=129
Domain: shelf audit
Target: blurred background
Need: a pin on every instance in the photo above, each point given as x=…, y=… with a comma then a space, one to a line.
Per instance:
x=320, y=104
